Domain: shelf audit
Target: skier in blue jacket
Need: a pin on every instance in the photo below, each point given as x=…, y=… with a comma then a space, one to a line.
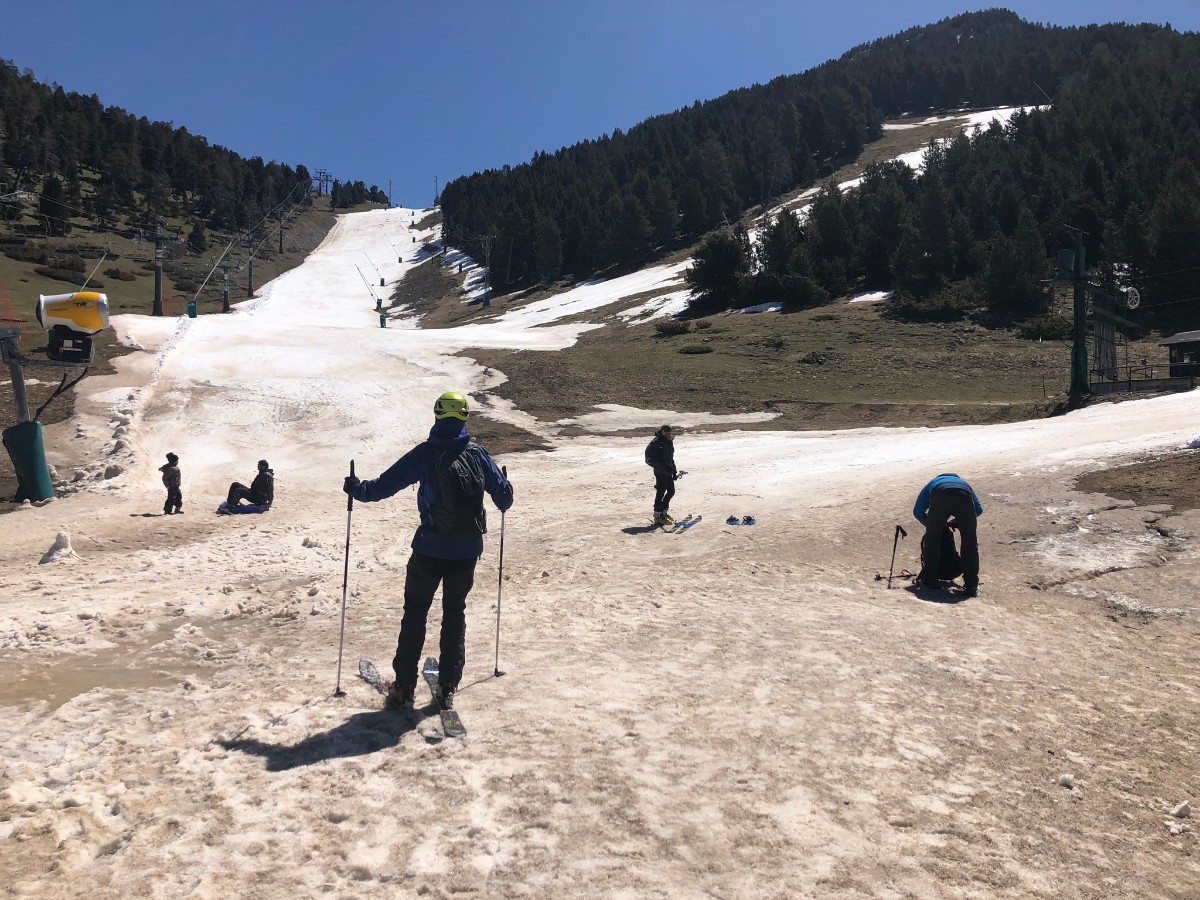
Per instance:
x=447, y=543
x=948, y=499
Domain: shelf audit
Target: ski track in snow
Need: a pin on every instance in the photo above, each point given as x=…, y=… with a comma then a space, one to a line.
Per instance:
x=727, y=712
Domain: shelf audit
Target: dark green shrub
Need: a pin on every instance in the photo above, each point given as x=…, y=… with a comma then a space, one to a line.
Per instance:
x=68, y=275
x=119, y=274
x=695, y=348
x=948, y=306
x=27, y=253
x=671, y=327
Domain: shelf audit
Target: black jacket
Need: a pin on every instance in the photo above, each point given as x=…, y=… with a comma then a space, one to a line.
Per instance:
x=263, y=486
x=660, y=455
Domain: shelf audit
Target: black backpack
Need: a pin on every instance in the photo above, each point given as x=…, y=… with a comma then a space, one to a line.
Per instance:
x=949, y=562
x=458, y=511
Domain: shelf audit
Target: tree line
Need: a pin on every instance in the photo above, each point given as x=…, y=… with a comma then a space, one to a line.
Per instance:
x=52, y=140
x=1109, y=156
x=1116, y=157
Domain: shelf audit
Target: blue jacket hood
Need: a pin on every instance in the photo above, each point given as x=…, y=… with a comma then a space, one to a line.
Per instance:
x=447, y=431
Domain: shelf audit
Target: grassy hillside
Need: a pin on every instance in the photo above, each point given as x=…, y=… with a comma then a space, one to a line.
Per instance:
x=840, y=365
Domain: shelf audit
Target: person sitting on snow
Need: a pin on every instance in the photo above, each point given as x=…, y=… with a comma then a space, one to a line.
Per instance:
x=260, y=493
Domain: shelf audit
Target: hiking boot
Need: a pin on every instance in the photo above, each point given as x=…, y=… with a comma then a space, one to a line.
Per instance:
x=971, y=590
x=400, y=698
x=445, y=695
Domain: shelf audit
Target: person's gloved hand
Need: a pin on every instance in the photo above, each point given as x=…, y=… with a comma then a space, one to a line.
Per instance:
x=349, y=484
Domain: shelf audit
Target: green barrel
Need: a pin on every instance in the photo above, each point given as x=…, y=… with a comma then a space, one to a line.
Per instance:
x=24, y=445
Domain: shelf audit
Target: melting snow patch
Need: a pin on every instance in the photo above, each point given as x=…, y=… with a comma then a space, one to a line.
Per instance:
x=614, y=417
x=1124, y=603
x=762, y=307
x=656, y=308
x=871, y=297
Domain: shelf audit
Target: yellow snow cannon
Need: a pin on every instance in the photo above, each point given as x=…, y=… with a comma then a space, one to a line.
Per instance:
x=71, y=320
x=84, y=312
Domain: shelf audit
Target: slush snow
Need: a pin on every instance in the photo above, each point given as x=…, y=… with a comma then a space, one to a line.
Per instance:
x=213, y=761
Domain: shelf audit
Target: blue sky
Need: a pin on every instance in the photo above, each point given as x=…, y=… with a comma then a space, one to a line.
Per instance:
x=409, y=91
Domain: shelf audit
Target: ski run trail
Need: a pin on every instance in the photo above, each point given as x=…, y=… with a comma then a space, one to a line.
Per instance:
x=734, y=712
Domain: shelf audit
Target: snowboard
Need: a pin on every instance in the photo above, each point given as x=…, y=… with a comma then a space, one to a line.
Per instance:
x=451, y=722
x=240, y=509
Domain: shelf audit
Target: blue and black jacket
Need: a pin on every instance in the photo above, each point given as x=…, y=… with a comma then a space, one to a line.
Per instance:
x=948, y=480
x=417, y=465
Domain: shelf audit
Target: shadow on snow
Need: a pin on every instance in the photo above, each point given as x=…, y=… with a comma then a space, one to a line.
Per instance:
x=362, y=733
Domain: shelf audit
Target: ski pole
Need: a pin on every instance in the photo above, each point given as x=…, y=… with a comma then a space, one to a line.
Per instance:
x=500, y=583
x=900, y=532
x=337, y=691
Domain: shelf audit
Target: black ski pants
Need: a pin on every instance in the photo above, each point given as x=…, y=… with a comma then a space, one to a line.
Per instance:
x=944, y=504
x=664, y=490
x=174, y=501
x=425, y=573
x=239, y=492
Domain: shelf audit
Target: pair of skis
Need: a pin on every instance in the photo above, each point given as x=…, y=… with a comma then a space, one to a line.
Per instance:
x=452, y=725
x=683, y=524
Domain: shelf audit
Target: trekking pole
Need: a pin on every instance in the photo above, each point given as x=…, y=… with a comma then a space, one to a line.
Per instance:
x=337, y=691
x=500, y=583
x=900, y=532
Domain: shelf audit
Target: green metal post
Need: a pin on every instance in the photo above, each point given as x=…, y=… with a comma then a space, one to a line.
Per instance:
x=1079, y=360
x=158, y=258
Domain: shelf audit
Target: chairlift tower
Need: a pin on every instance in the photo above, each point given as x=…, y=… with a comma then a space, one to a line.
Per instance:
x=1071, y=265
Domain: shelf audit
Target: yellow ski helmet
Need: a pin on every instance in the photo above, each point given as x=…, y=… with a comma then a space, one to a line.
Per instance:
x=451, y=405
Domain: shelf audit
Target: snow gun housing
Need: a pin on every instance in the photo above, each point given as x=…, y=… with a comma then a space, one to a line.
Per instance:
x=71, y=320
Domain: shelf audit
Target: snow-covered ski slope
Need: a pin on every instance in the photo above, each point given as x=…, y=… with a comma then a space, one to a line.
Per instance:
x=742, y=713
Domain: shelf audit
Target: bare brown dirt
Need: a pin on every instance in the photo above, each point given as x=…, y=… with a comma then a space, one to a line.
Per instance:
x=1173, y=481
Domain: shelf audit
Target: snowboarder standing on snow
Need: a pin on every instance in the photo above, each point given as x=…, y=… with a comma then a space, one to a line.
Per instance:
x=660, y=456
x=172, y=480
x=260, y=493
x=949, y=499
x=454, y=473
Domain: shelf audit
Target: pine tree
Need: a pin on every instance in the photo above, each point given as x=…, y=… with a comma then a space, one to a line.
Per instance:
x=50, y=205
x=719, y=264
x=548, y=256
x=197, y=240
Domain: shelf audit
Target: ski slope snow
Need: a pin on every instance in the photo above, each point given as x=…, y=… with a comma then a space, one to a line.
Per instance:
x=730, y=712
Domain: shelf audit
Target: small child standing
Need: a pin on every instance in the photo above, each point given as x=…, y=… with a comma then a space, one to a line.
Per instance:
x=172, y=481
